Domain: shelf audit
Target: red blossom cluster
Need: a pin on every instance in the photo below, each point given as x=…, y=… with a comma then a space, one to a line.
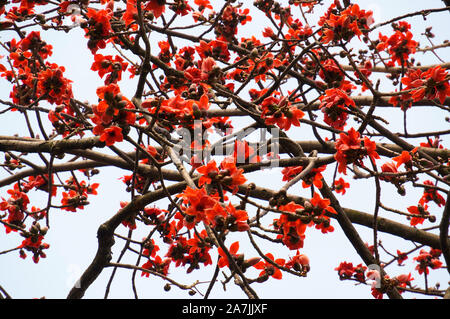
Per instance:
x=351, y=148
x=342, y=25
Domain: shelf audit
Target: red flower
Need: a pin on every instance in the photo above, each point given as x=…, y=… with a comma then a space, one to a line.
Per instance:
x=376, y=293
x=106, y=64
x=340, y=185
x=233, y=176
x=404, y=280
x=314, y=177
x=399, y=45
x=428, y=259
x=345, y=270
x=198, y=243
x=431, y=194
x=290, y=172
x=404, y=158
x=417, y=211
x=346, y=25
x=156, y=6
x=268, y=269
x=208, y=172
x=223, y=260
x=434, y=144
x=150, y=248
x=198, y=202
x=99, y=28
x=280, y=112
x=299, y=262
x=54, y=86
x=203, y=4
x=244, y=153
x=350, y=150
x=71, y=201
x=334, y=106
x=293, y=229
x=389, y=167
x=330, y=72
x=157, y=265
x=111, y=135
x=401, y=257
x=322, y=203
x=237, y=219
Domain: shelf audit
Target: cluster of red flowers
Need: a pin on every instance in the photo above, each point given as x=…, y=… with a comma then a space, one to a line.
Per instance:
x=15, y=206
x=33, y=243
x=38, y=182
x=190, y=252
x=344, y=25
x=77, y=194
x=431, y=84
x=292, y=224
x=280, y=112
x=199, y=206
x=399, y=45
x=428, y=259
x=113, y=114
x=27, y=56
x=98, y=28
x=229, y=177
x=348, y=271
x=334, y=105
x=349, y=149
x=231, y=18
x=20, y=13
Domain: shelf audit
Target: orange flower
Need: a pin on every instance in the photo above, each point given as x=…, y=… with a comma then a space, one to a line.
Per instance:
x=280, y=112
x=208, y=172
x=404, y=158
x=111, y=135
x=223, y=260
x=399, y=45
x=322, y=203
x=156, y=6
x=418, y=211
x=270, y=270
x=334, y=105
x=236, y=178
x=350, y=150
x=340, y=185
x=346, y=25
x=238, y=219
x=199, y=202
x=203, y=4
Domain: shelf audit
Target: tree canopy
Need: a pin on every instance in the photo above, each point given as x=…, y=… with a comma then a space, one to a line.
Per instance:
x=237, y=132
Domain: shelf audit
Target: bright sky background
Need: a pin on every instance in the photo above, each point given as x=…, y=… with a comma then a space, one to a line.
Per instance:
x=72, y=236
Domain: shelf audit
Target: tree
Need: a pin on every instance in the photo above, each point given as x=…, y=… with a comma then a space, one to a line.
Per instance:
x=197, y=115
